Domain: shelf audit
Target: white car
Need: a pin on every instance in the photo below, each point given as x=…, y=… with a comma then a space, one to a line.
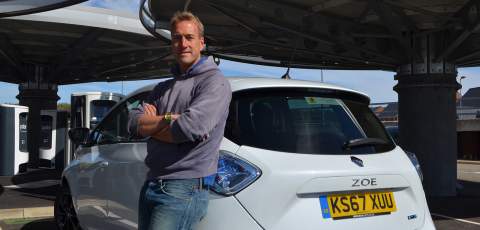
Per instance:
x=296, y=155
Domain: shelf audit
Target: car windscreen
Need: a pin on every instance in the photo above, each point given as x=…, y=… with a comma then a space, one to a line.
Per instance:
x=304, y=121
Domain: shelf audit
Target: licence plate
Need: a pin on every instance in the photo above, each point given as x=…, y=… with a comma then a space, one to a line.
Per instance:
x=353, y=205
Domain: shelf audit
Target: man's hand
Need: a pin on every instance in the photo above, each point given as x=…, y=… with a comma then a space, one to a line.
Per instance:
x=149, y=110
x=165, y=134
x=149, y=123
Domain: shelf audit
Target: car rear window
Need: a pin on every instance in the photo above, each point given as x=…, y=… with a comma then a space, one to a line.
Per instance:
x=303, y=121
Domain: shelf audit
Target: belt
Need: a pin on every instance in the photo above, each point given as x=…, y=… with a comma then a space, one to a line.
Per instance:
x=206, y=182
x=203, y=182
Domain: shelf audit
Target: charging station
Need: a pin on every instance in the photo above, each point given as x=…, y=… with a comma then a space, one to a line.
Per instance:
x=61, y=145
x=13, y=139
x=87, y=110
x=48, y=138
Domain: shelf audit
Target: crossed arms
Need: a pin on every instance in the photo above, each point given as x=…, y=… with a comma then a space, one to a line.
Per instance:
x=207, y=107
x=155, y=126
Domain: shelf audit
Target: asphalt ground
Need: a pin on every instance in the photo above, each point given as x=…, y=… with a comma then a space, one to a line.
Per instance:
x=36, y=188
x=462, y=211
x=450, y=213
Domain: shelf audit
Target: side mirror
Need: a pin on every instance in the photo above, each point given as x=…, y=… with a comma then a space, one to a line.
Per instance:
x=79, y=136
x=93, y=122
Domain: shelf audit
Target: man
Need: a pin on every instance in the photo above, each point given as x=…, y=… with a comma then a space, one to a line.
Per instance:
x=185, y=119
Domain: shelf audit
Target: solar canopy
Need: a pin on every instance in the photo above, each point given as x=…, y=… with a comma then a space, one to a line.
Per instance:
x=80, y=44
x=333, y=34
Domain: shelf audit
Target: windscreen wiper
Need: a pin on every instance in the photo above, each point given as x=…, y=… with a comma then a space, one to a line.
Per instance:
x=362, y=142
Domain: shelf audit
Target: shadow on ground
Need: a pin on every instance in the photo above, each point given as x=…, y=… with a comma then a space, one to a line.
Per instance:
x=464, y=205
x=40, y=224
x=36, y=175
x=47, y=192
x=19, y=192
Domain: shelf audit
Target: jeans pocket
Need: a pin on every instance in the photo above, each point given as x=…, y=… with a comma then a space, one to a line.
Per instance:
x=178, y=189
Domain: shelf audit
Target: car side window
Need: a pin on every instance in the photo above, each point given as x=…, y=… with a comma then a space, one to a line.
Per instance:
x=114, y=128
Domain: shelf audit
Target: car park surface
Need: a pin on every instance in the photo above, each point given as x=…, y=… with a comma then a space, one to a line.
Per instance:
x=459, y=213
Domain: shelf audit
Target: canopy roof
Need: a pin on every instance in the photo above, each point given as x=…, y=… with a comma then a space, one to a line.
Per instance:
x=334, y=34
x=80, y=44
x=10, y=8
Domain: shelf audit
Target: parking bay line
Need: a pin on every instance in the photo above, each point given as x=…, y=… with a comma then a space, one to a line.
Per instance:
x=34, y=185
x=457, y=219
x=470, y=172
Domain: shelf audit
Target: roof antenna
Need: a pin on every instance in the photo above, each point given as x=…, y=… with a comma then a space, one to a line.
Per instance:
x=287, y=75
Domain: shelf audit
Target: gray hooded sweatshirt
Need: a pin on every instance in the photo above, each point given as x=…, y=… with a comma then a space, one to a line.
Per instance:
x=201, y=96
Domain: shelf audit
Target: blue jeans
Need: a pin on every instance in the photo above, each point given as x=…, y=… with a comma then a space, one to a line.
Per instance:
x=172, y=204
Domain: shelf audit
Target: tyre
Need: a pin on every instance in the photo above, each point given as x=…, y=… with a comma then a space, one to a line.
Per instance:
x=65, y=215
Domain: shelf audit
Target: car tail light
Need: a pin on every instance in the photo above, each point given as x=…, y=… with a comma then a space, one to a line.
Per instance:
x=233, y=174
x=416, y=163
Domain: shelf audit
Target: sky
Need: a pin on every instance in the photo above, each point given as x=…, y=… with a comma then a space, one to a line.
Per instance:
x=377, y=84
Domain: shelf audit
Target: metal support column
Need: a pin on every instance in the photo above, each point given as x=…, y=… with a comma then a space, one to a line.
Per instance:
x=38, y=95
x=427, y=117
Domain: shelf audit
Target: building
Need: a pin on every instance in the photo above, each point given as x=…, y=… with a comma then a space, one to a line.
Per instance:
x=468, y=121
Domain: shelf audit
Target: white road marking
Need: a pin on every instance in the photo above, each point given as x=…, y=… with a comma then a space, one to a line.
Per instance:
x=470, y=172
x=35, y=184
x=103, y=211
x=124, y=221
x=457, y=219
x=116, y=217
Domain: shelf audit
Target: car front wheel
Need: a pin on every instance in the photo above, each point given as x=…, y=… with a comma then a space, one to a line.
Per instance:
x=65, y=215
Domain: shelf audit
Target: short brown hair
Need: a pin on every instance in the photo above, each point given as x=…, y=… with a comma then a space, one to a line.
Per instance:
x=186, y=16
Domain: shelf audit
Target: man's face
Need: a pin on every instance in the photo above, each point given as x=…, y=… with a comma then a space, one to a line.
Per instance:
x=186, y=43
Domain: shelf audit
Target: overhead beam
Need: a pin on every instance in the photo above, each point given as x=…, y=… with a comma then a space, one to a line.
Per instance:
x=364, y=13
x=9, y=75
x=469, y=30
x=120, y=66
x=325, y=65
x=393, y=25
x=129, y=57
x=274, y=45
x=467, y=57
x=411, y=7
x=160, y=69
x=236, y=19
x=76, y=48
x=327, y=4
x=295, y=29
x=329, y=41
x=12, y=56
x=134, y=49
x=455, y=44
x=226, y=33
x=371, y=35
x=223, y=49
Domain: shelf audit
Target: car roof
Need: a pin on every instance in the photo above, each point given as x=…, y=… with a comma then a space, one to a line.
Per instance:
x=246, y=83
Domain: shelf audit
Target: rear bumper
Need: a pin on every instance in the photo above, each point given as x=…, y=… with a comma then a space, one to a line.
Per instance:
x=428, y=224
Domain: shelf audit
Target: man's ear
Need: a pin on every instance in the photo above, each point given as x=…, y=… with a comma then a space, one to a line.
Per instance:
x=202, y=41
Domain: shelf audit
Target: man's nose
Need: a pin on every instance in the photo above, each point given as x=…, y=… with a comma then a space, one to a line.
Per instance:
x=183, y=42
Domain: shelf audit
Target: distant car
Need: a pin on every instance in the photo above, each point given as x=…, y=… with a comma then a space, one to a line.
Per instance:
x=296, y=155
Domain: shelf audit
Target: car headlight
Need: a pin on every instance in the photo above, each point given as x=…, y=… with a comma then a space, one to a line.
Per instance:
x=233, y=174
x=416, y=163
